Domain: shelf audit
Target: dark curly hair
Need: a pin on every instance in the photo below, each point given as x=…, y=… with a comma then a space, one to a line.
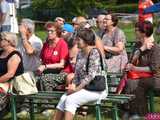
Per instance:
x=146, y=27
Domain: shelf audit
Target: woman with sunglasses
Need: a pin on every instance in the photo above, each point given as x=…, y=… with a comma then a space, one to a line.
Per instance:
x=55, y=59
x=11, y=65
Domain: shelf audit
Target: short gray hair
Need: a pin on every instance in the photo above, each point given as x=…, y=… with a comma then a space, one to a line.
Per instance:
x=10, y=37
x=29, y=24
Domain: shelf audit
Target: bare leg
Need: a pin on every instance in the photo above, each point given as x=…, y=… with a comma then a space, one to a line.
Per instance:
x=58, y=115
x=69, y=79
x=68, y=115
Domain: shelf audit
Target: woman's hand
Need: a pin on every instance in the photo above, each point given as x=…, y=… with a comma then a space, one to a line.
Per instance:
x=129, y=67
x=69, y=79
x=71, y=88
x=41, y=68
x=23, y=32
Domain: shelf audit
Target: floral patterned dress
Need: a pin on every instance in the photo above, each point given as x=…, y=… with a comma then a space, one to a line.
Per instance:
x=94, y=67
x=118, y=61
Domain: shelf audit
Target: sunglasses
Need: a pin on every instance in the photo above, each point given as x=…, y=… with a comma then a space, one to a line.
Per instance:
x=50, y=31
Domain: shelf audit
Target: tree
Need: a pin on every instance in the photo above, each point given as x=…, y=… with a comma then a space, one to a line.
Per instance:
x=71, y=7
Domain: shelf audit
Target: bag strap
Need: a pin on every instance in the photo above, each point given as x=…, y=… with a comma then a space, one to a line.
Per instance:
x=101, y=60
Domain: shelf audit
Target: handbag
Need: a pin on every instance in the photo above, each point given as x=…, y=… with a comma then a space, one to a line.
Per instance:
x=99, y=81
x=4, y=87
x=25, y=84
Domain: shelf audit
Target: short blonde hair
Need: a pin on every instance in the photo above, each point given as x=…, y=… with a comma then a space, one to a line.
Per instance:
x=11, y=37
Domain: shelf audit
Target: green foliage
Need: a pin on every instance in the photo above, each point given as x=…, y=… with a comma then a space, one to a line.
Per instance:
x=126, y=1
x=69, y=7
x=124, y=8
x=49, y=9
x=41, y=4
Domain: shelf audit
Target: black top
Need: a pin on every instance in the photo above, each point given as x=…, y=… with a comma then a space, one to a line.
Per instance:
x=4, y=62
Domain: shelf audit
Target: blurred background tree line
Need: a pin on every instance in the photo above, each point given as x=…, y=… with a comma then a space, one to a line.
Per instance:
x=49, y=9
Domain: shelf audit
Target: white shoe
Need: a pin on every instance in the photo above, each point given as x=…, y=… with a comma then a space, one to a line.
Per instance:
x=48, y=112
x=23, y=114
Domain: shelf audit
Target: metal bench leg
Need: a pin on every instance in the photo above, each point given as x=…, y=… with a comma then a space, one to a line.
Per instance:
x=151, y=101
x=98, y=112
x=31, y=109
x=13, y=107
x=115, y=112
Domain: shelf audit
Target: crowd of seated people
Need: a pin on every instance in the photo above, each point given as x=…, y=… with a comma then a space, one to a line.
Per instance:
x=61, y=60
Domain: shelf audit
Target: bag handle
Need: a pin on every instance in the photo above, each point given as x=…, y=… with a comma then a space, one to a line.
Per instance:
x=101, y=60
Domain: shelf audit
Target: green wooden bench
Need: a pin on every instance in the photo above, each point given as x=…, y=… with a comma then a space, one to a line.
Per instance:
x=113, y=98
x=151, y=101
x=129, y=46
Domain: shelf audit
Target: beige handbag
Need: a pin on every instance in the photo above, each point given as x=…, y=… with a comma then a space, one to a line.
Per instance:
x=5, y=87
x=25, y=84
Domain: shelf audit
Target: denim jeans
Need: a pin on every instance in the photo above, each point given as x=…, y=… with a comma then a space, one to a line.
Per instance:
x=5, y=28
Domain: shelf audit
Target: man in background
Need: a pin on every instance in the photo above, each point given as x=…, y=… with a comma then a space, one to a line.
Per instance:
x=101, y=29
x=13, y=5
x=5, y=18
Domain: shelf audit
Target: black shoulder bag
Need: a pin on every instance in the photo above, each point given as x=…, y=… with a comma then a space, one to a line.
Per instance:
x=99, y=82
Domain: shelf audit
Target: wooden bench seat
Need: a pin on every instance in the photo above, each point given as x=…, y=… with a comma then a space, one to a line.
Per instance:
x=113, y=98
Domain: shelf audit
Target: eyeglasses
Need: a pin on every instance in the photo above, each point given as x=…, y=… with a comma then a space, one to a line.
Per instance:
x=50, y=31
x=64, y=31
x=99, y=21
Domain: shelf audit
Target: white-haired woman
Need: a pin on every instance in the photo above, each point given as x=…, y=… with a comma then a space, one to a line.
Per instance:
x=11, y=65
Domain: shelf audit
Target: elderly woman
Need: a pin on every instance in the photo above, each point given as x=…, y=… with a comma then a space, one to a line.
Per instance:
x=11, y=65
x=114, y=44
x=144, y=69
x=55, y=57
x=77, y=93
